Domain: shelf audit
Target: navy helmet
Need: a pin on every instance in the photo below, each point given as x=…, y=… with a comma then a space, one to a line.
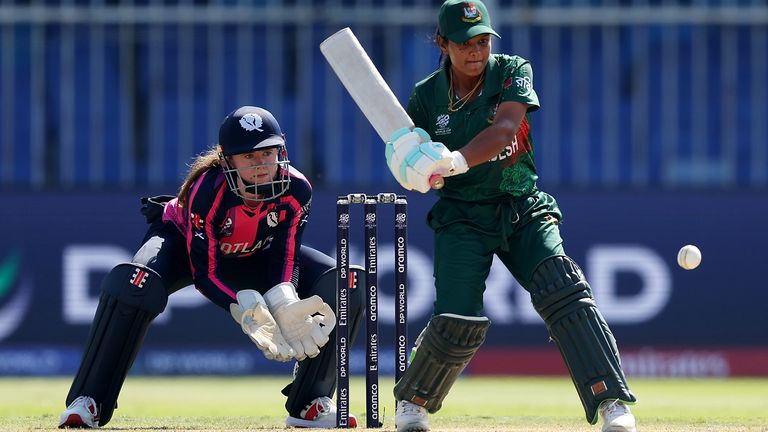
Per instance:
x=250, y=129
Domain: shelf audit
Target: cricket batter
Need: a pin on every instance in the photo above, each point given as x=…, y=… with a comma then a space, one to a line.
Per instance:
x=478, y=105
x=234, y=231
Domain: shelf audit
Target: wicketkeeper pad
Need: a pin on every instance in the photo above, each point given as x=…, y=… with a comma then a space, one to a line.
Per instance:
x=316, y=376
x=563, y=298
x=132, y=296
x=443, y=350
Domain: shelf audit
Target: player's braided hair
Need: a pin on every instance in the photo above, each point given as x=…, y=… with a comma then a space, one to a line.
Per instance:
x=202, y=162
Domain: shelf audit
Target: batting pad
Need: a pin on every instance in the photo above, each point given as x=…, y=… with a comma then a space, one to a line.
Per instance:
x=564, y=300
x=447, y=345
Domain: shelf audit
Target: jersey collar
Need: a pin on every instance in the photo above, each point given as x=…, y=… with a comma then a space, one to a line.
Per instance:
x=491, y=86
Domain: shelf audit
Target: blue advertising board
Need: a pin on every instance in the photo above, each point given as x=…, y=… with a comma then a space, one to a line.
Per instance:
x=668, y=321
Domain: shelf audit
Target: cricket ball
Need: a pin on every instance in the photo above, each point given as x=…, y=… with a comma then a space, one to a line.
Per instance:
x=689, y=257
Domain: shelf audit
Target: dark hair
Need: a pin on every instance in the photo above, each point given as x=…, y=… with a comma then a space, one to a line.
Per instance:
x=202, y=163
x=443, y=60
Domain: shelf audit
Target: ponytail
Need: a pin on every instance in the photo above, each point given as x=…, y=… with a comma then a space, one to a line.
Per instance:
x=202, y=163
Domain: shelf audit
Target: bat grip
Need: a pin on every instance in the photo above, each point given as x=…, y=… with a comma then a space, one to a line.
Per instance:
x=436, y=181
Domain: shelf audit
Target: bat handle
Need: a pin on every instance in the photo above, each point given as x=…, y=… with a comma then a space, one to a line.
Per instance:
x=436, y=181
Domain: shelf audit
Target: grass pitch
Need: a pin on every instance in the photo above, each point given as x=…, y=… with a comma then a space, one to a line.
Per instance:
x=487, y=404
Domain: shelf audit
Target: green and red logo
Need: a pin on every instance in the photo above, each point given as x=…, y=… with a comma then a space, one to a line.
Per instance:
x=471, y=14
x=15, y=294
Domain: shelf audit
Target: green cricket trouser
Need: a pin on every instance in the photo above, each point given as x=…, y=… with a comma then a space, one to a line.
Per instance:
x=521, y=231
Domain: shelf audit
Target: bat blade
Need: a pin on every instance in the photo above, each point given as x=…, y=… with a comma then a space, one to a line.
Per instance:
x=364, y=83
x=367, y=87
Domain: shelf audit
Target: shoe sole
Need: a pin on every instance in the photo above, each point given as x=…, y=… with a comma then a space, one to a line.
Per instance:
x=293, y=422
x=74, y=421
x=414, y=429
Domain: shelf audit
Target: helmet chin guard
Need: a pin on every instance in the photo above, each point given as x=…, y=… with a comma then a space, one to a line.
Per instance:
x=258, y=191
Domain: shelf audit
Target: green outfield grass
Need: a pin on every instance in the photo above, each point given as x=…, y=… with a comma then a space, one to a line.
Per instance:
x=475, y=404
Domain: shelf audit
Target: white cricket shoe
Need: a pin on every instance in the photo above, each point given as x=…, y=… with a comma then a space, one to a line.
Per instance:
x=410, y=417
x=617, y=417
x=81, y=413
x=320, y=413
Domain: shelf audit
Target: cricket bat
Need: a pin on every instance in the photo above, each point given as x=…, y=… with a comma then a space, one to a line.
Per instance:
x=367, y=87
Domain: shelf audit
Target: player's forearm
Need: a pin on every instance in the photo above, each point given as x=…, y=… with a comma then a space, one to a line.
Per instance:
x=488, y=144
x=215, y=291
x=283, y=254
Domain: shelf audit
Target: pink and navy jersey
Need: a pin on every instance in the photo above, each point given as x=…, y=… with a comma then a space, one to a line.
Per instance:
x=233, y=246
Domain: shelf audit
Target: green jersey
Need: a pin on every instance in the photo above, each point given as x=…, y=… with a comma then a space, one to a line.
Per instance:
x=511, y=172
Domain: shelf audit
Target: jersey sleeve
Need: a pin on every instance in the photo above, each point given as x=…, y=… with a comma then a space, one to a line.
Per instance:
x=518, y=84
x=284, y=249
x=416, y=110
x=203, y=236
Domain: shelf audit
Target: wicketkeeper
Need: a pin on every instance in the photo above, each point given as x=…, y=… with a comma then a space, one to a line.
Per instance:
x=234, y=231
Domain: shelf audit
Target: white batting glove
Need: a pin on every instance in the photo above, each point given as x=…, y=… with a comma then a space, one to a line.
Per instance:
x=413, y=158
x=459, y=164
x=402, y=143
x=305, y=324
x=433, y=158
x=254, y=318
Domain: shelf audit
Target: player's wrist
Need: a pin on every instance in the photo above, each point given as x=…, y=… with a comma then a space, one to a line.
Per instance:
x=459, y=163
x=246, y=301
x=280, y=295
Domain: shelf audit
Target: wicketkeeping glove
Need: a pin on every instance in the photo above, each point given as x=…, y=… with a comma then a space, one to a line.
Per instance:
x=305, y=324
x=254, y=318
x=413, y=158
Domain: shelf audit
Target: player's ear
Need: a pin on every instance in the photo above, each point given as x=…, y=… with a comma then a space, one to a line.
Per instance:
x=442, y=43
